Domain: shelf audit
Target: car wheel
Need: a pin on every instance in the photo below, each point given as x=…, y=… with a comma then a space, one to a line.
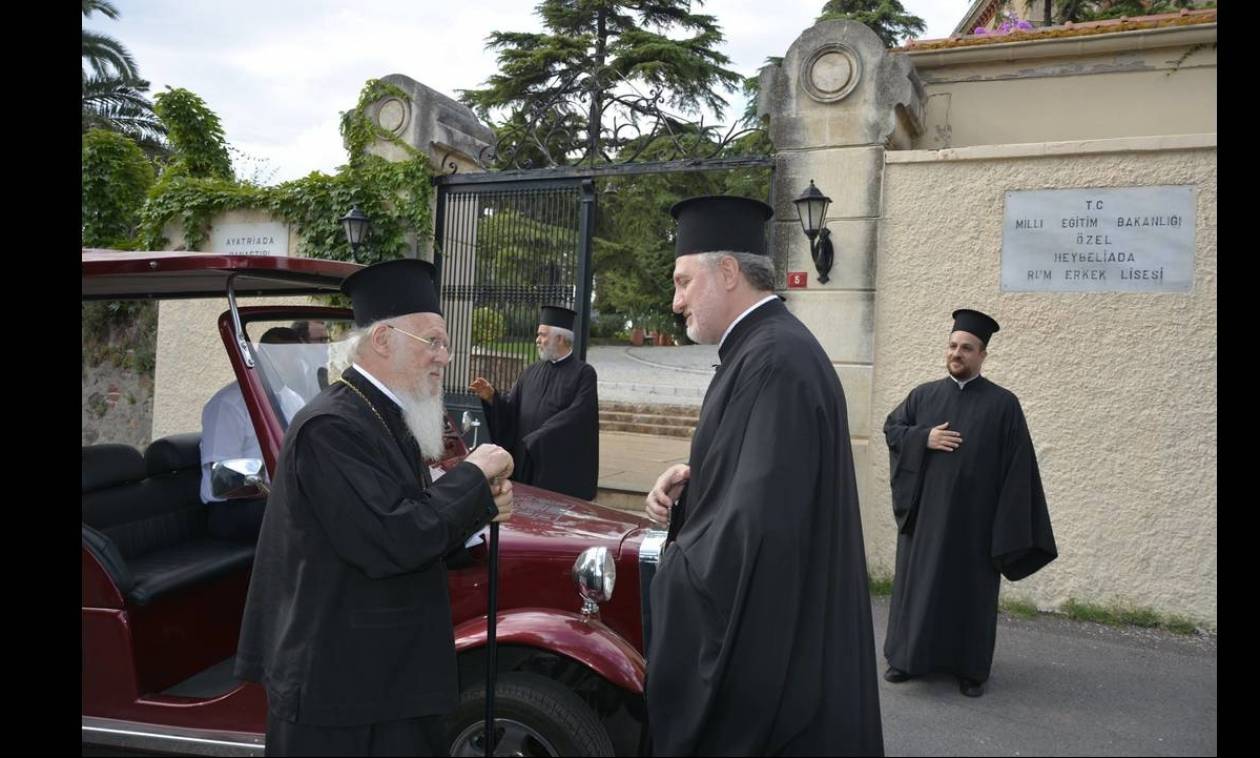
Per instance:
x=533, y=716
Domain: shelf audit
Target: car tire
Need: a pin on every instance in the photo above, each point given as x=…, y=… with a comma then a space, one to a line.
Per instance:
x=533, y=715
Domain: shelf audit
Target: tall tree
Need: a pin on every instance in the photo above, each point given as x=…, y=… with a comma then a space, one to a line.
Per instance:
x=116, y=178
x=113, y=92
x=105, y=55
x=566, y=90
x=200, y=149
x=887, y=18
x=634, y=237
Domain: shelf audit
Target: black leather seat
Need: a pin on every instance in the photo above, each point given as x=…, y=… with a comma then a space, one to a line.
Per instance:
x=145, y=522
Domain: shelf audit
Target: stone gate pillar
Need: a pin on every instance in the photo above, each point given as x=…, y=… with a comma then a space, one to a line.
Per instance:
x=835, y=103
x=449, y=133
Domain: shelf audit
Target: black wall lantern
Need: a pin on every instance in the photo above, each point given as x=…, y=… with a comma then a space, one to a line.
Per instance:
x=811, y=210
x=356, y=225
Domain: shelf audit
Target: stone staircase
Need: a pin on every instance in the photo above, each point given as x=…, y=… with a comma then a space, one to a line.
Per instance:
x=659, y=420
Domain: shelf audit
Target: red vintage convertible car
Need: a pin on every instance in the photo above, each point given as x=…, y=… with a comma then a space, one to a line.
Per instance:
x=162, y=599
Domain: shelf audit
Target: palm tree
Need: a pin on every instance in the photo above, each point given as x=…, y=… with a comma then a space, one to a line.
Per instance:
x=117, y=105
x=102, y=53
x=113, y=92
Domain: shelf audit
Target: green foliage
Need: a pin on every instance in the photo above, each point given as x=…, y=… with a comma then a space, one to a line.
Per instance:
x=1020, y=608
x=195, y=134
x=608, y=42
x=116, y=178
x=199, y=185
x=488, y=325
x=634, y=236
x=607, y=325
x=395, y=195
x=113, y=92
x=1124, y=614
x=887, y=18
x=880, y=585
x=121, y=332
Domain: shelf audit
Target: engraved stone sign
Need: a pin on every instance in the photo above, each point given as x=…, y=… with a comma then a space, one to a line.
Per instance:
x=1127, y=239
x=259, y=238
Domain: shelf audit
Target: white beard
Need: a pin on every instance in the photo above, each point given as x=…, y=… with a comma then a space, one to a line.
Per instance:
x=424, y=415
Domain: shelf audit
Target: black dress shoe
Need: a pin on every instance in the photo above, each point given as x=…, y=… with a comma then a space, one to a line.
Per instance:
x=895, y=675
x=970, y=687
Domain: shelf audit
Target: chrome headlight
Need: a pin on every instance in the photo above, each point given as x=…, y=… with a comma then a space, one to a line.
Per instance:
x=594, y=573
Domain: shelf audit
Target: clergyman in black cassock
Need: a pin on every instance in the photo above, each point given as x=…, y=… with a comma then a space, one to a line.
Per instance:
x=761, y=640
x=969, y=507
x=347, y=623
x=550, y=419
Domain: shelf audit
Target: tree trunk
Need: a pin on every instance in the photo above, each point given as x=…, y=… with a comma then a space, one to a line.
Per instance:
x=594, y=119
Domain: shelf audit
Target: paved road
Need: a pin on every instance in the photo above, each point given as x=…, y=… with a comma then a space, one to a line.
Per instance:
x=1062, y=687
x=1058, y=687
x=668, y=375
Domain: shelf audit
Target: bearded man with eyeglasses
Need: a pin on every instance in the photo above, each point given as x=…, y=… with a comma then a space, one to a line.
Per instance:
x=347, y=623
x=550, y=419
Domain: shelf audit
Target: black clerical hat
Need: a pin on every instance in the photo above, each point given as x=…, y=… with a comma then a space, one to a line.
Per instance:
x=975, y=322
x=392, y=288
x=556, y=315
x=712, y=223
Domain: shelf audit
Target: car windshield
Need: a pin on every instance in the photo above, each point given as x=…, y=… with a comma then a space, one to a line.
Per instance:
x=297, y=359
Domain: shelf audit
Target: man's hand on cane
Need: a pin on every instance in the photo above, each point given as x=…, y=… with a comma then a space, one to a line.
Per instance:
x=496, y=464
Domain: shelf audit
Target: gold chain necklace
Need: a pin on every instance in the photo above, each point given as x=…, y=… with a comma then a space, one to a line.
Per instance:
x=364, y=398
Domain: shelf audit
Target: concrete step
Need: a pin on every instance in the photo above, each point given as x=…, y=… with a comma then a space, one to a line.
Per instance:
x=659, y=409
x=652, y=429
x=654, y=419
x=667, y=392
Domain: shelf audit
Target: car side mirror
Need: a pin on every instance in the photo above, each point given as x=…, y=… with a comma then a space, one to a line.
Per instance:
x=469, y=421
x=239, y=478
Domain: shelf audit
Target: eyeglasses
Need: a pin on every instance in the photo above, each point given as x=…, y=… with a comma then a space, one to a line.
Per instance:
x=436, y=345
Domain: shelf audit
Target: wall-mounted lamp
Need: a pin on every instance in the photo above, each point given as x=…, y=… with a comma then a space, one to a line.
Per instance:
x=356, y=225
x=811, y=210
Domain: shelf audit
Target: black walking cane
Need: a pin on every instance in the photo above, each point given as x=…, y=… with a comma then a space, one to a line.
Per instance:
x=491, y=642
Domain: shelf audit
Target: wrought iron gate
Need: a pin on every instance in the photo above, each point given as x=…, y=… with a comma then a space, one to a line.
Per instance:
x=503, y=249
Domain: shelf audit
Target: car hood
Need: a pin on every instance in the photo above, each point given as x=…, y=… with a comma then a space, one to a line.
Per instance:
x=548, y=522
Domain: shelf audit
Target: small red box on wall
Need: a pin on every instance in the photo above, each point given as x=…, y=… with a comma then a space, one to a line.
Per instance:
x=797, y=280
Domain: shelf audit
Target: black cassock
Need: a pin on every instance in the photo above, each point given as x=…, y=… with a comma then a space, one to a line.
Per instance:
x=964, y=519
x=347, y=621
x=761, y=640
x=550, y=423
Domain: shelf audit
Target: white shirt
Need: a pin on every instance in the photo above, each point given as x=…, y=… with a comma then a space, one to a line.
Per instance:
x=378, y=384
x=226, y=432
x=741, y=316
x=962, y=383
x=290, y=403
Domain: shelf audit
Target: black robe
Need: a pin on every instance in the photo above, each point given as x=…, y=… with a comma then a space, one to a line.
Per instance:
x=964, y=518
x=347, y=621
x=550, y=424
x=761, y=639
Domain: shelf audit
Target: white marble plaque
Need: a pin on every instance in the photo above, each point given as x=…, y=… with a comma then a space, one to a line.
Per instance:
x=1127, y=239
x=259, y=238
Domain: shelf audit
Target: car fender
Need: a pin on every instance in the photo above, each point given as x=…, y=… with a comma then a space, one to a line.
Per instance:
x=584, y=639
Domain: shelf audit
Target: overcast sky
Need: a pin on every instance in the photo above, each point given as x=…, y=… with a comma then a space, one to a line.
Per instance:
x=278, y=72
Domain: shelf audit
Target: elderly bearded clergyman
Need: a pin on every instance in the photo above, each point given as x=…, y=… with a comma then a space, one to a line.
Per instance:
x=348, y=622
x=550, y=419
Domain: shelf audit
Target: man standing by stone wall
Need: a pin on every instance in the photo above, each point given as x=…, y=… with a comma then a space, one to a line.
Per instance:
x=969, y=506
